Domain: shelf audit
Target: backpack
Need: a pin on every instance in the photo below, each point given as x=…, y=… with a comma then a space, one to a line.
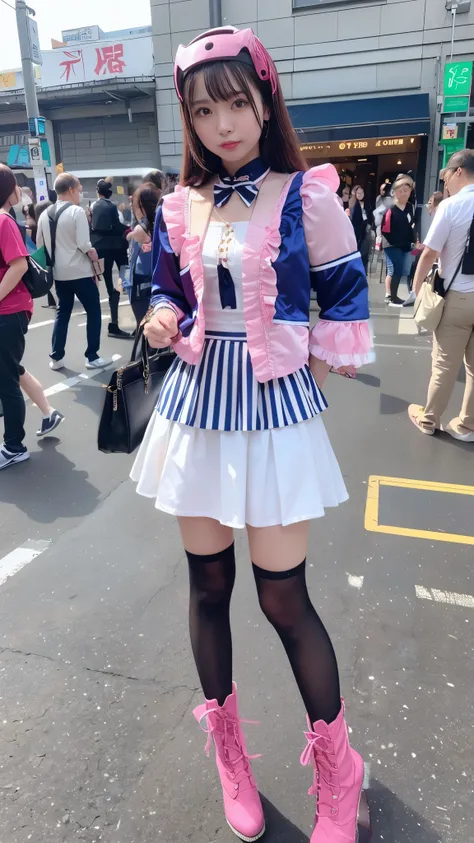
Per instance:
x=53, y=217
x=468, y=258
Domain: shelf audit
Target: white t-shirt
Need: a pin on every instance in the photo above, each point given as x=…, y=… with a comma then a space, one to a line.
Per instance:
x=72, y=243
x=448, y=235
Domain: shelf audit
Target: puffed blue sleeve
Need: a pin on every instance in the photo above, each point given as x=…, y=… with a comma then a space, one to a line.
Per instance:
x=169, y=284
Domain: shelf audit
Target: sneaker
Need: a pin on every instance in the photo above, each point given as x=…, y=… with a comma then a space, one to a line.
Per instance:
x=57, y=364
x=415, y=413
x=115, y=331
x=410, y=301
x=100, y=363
x=387, y=298
x=462, y=437
x=395, y=302
x=11, y=457
x=50, y=424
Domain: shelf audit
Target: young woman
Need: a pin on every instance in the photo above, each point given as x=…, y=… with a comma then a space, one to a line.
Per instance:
x=398, y=233
x=30, y=221
x=108, y=238
x=16, y=307
x=145, y=202
x=344, y=193
x=362, y=218
x=237, y=440
x=157, y=178
x=433, y=202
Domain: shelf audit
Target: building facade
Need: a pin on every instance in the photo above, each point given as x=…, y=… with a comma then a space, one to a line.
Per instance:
x=97, y=92
x=363, y=78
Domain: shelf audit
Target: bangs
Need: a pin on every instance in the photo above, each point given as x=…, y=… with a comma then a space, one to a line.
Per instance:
x=223, y=80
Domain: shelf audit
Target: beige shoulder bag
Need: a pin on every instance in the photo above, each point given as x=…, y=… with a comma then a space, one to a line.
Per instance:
x=430, y=300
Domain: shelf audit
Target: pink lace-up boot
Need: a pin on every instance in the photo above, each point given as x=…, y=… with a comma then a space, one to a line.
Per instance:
x=337, y=785
x=242, y=806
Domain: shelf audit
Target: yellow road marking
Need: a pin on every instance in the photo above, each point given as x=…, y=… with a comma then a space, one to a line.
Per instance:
x=372, y=508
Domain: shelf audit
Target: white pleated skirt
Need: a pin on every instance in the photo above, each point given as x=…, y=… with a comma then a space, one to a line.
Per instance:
x=261, y=478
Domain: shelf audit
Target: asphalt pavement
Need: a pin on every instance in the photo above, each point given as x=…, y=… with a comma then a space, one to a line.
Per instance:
x=97, y=685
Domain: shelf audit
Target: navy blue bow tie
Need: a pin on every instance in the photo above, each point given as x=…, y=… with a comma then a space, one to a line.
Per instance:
x=246, y=183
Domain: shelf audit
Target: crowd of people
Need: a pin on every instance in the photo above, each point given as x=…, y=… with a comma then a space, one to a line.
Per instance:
x=82, y=246
x=222, y=270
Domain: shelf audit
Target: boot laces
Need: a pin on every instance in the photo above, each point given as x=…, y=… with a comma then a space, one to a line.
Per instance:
x=224, y=728
x=320, y=751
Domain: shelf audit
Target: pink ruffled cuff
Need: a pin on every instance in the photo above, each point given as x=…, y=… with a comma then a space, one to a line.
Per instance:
x=342, y=343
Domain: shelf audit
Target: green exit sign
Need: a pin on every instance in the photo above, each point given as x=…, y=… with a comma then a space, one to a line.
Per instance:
x=454, y=104
x=457, y=78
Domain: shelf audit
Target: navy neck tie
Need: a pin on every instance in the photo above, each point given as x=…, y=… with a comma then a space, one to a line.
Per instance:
x=246, y=183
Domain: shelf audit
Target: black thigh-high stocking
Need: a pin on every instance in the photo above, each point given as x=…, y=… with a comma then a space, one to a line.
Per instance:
x=211, y=580
x=285, y=601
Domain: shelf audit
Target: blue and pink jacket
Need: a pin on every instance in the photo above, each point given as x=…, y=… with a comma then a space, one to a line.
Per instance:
x=305, y=242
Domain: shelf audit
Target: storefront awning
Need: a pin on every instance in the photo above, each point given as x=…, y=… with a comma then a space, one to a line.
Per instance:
x=364, y=118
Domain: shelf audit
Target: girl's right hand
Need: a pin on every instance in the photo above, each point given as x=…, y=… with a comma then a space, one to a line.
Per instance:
x=162, y=328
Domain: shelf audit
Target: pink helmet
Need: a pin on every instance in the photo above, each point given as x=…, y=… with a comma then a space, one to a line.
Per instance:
x=224, y=43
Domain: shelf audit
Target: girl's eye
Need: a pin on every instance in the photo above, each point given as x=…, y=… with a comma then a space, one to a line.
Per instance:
x=203, y=112
x=240, y=103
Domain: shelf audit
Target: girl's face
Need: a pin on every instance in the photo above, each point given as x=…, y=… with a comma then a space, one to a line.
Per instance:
x=403, y=192
x=346, y=194
x=359, y=194
x=228, y=128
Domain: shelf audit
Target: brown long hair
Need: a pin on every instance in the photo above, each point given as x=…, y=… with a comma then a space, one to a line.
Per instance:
x=224, y=79
x=7, y=183
x=147, y=196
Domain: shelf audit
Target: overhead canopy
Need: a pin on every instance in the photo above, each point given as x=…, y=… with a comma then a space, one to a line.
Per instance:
x=364, y=118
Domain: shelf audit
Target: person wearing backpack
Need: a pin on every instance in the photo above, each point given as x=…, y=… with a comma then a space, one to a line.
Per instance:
x=64, y=231
x=16, y=308
x=397, y=225
x=451, y=235
x=108, y=237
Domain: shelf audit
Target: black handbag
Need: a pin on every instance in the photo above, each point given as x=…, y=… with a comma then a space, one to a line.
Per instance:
x=37, y=279
x=131, y=397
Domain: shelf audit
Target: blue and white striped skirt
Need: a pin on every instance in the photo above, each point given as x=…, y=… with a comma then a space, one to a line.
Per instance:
x=221, y=392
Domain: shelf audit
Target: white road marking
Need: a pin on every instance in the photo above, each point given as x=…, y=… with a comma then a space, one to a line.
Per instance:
x=21, y=556
x=104, y=316
x=354, y=581
x=407, y=325
x=366, y=783
x=69, y=382
x=449, y=597
x=41, y=324
x=402, y=347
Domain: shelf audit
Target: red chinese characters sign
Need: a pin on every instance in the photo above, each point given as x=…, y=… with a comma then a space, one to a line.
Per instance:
x=93, y=62
x=71, y=59
x=109, y=59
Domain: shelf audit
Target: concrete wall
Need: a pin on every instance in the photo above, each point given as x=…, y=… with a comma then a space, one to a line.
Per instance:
x=356, y=50
x=94, y=143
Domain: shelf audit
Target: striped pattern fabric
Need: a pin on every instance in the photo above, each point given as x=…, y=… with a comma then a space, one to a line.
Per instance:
x=222, y=393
